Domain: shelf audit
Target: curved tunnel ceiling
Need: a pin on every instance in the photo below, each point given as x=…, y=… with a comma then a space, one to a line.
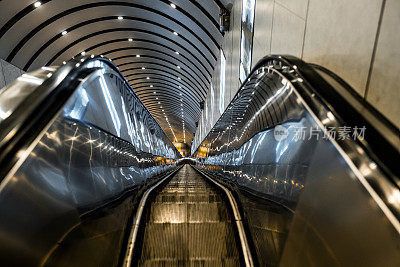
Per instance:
x=167, y=50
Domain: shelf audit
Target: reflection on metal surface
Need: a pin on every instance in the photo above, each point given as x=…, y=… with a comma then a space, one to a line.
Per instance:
x=87, y=157
x=12, y=95
x=324, y=188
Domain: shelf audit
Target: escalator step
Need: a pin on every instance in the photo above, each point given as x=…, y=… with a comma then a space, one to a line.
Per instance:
x=196, y=262
x=188, y=224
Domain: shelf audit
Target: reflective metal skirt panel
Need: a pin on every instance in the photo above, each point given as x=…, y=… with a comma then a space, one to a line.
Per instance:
x=101, y=145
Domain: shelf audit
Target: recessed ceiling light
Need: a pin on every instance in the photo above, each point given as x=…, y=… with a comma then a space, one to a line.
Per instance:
x=83, y=53
x=148, y=78
x=154, y=92
x=120, y=17
x=179, y=78
x=176, y=33
x=156, y=98
x=64, y=32
x=37, y=4
x=178, y=67
x=137, y=55
x=130, y=39
x=176, y=52
x=64, y=62
x=173, y=5
x=143, y=68
x=151, y=85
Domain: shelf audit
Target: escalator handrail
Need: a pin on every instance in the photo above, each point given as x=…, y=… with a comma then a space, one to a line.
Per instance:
x=30, y=116
x=375, y=144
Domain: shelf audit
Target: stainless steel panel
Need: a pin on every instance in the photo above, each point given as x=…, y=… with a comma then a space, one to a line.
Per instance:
x=102, y=144
x=344, y=207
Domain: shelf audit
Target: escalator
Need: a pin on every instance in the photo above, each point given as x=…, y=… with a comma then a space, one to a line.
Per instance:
x=188, y=223
x=89, y=178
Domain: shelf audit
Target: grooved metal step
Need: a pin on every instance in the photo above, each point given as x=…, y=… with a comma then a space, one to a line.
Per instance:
x=188, y=225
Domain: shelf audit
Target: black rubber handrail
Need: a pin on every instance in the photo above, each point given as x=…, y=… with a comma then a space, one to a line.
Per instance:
x=375, y=144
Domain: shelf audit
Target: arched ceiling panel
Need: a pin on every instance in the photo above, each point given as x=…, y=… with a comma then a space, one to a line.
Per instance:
x=159, y=74
x=174, y=51
x=163, y=58
x=81, y=38
x=178, y=43
x=118, y=50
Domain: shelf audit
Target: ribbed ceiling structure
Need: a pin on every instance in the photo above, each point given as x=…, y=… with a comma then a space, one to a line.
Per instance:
x=167, y=50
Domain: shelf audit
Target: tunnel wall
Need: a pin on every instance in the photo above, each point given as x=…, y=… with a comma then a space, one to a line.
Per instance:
x=8, y=73
x=355, y=39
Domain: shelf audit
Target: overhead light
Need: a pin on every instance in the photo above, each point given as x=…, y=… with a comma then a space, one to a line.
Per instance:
x=83, y=53
x=176, y=33
x=120, y=17
x=82, y=60
x=64, y=62
x=158, y=102
x=143, y=68
x=130, y=39
x=179, y=78
x=92, y=56
x=172, y=5
x=37, y=4
x=178, y=67
x=176, y=52
x=156, y=98
x=147, y=78
x=101, y=56
x=151, y=86
x=64, y=33
x=137, y=55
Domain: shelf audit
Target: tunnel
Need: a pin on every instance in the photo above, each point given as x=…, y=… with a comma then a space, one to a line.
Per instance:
x=199, y=133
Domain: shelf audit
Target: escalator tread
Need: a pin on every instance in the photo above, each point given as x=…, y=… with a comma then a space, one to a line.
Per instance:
x=188, y=224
